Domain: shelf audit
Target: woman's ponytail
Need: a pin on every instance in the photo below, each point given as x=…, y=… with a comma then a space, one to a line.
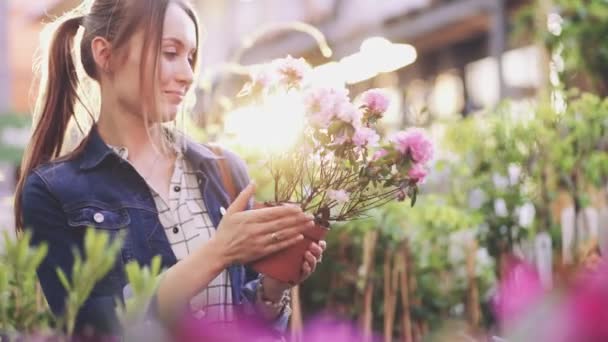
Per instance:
x=56, y=107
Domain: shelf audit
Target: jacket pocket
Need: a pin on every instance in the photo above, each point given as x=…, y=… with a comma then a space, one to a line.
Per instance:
x=98, y=217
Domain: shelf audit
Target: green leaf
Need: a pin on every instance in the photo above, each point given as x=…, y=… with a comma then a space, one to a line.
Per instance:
x=413, y=196
x=63, y=279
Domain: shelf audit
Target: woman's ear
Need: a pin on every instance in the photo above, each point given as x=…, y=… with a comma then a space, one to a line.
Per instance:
x=102, y=52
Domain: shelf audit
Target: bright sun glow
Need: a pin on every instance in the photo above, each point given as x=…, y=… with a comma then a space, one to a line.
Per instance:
x=376, y=55
x=270, y=127
x=274, y=125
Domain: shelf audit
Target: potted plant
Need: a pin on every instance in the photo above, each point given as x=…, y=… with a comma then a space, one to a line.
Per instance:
x=339, y=168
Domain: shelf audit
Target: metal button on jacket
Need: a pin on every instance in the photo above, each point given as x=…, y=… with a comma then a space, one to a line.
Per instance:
x=98, y=217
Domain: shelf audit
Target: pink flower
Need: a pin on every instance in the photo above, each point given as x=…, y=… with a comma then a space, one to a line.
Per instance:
x=365, y=136
x=322, y=103
x=264, y=77
x=379, y=154
x=322, y=327
x=415, y=142
x=349, y=113
x=417, y=173
x=291, y=70
x=341, y=140
x=375, y=101
x=519, y=290
x=340, y=196
x=586, y=307
x=325, y=327
x=320, y=119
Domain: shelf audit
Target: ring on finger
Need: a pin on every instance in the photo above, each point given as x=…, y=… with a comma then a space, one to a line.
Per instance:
x=275, y=237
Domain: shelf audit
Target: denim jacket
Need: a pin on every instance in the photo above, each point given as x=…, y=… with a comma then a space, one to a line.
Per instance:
x=60, y=199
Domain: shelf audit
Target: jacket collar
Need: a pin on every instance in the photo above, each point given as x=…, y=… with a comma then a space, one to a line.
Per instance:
x=96, y=151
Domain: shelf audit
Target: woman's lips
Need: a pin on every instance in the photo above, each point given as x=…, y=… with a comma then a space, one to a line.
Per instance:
x=175, y=96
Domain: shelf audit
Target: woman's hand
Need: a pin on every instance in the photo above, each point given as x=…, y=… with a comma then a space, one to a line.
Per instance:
x=273, y=289
x=244, y=236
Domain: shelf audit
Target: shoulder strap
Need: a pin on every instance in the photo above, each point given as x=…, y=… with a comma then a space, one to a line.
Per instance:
x=225, y=173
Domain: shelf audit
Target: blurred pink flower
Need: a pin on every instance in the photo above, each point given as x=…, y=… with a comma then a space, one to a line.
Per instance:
x=328, y=328
x=322, y=103
x=365, y=136
x=320, y=119
x=321, y=328
x=415, y=142
x=348, y=112
x=586, y=307
x=417, y=173
x=577, y=312
x=340, y=196
x=341, y=140
x=379, y=154
x=264, y=77
x=519, y=290
x=375, y=101
x=291, y=70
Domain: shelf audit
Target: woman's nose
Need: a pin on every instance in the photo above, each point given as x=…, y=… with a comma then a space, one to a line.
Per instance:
x=186, y=74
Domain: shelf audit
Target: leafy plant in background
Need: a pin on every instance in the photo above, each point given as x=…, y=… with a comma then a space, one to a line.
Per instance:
x=143, y=283
x=513, y=163
x=14, y=129
x=339, y=170
x=582, y=40
x=23, y=310
x=20, y=307
x=99, y=258
x=442, y=245
x=438, y=284
x=495, y=152
x=580, y=152
x=575, y=30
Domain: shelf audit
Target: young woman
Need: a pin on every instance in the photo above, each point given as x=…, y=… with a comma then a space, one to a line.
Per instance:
x=133, y=174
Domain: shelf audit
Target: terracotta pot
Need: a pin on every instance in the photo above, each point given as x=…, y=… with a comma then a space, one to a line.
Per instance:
x=286, y=265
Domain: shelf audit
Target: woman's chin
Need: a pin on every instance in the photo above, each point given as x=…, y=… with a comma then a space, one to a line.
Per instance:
x=169, y=114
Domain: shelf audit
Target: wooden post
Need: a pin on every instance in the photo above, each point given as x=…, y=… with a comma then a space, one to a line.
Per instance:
x=390, y=298
x=497, y=42
x=474, y=311
x=415, y=300
x=336, y=279
x=5, y=65
x=406, y=320
x=542, y=13
x=296, y=315
x=369, y=250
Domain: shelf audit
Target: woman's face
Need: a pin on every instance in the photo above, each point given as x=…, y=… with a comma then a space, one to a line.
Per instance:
x=175, y=68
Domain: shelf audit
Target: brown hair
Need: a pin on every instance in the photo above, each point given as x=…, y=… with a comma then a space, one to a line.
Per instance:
x=116, y=21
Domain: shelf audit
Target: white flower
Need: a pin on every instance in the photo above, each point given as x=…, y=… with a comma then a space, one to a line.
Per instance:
x=500, y=208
